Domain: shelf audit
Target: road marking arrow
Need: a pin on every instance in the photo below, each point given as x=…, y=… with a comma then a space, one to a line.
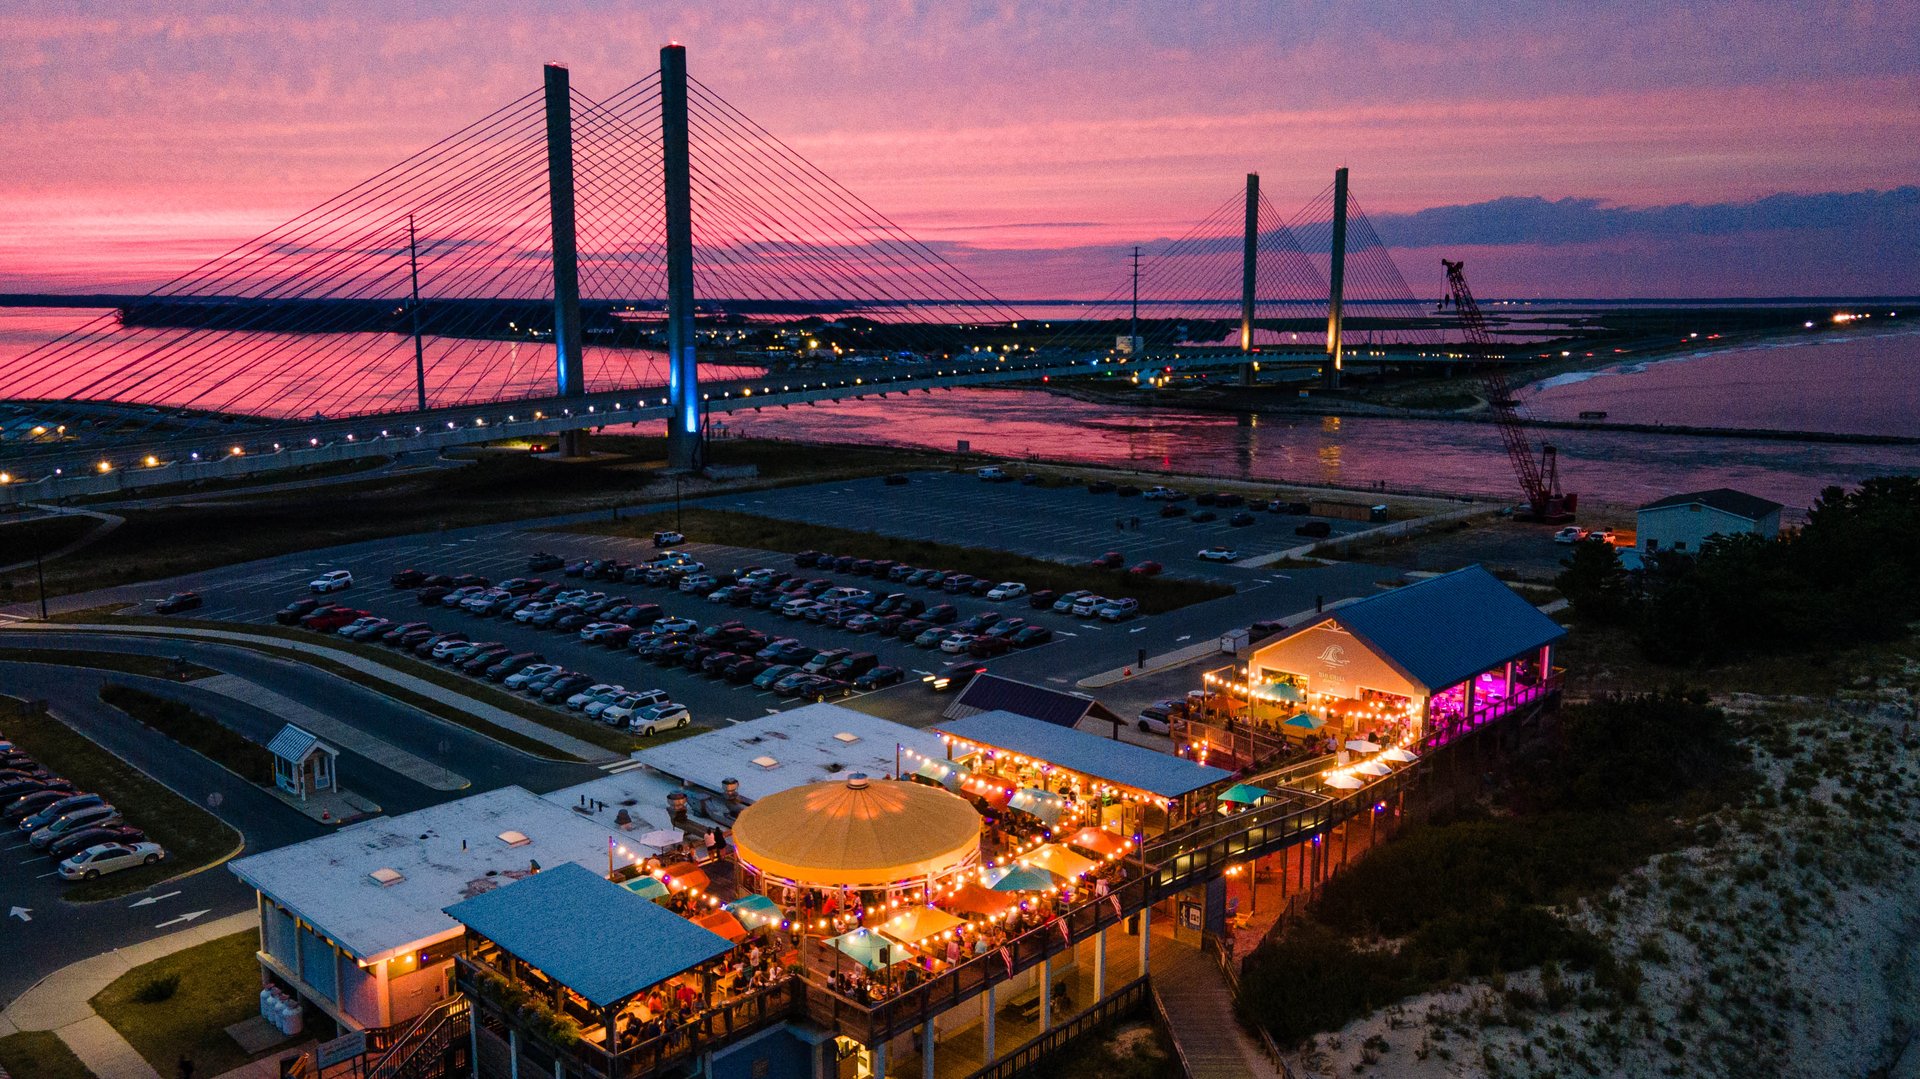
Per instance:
x=1137, y=629
x=1188, y=637
x=151, y=900
x=182, y=918
x=23, y=913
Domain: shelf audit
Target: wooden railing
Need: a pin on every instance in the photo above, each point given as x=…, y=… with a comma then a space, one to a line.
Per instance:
x=1120, y=1002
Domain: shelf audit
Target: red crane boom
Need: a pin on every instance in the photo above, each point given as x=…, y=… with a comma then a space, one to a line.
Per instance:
x=1539, y=479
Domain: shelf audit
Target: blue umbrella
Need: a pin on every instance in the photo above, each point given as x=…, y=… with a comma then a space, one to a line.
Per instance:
x=1019, y=878
x=755, y=911
x=1244, y=793
x=1042, y=804
x=1286, y=691
x=863, y=946
x=646, y=887
x=1305, y=722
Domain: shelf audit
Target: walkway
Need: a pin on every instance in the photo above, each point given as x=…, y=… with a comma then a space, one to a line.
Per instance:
x=107, y=522
x=1198, y=1004
x=377, y=671
x=426, y=773
x=61, y=1002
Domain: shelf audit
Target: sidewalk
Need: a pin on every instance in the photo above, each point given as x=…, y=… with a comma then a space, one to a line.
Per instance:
x=344, y=736
x=60, y=1002
x=379, y=672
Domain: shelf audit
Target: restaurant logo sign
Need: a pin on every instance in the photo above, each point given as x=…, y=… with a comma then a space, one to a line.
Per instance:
x=1334, y=657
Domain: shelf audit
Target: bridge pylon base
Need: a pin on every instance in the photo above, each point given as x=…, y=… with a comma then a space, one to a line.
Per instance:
x=573, y=444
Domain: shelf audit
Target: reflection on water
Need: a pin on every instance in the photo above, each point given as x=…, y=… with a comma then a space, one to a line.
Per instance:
x=1467, y=458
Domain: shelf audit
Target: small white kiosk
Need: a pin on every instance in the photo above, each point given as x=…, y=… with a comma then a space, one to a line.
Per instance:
x=302, y=763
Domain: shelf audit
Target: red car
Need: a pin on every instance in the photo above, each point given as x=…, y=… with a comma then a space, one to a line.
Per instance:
x=988, y=647
x=1110, y=560
x=1148, y=568
x=331, y=619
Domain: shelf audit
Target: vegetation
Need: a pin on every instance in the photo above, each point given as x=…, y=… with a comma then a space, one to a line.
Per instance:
x=201, y=733
x=1121, y=1048
x=124, y=662
x=1850, y=576
x=215, y=985
x=192, y=837
x=1473, y=895
x=40, y=1054
x=23, y=541
x=765, y=533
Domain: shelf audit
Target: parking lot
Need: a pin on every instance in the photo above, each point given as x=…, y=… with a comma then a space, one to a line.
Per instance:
x=712, y=701
x=1060, y=524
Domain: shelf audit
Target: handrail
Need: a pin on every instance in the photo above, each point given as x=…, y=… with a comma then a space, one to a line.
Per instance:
x=416, y=1036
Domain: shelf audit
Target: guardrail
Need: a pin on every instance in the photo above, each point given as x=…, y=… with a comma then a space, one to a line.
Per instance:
x=1032, y=1054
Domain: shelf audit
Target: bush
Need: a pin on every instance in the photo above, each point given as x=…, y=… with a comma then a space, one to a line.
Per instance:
x=1313, y=979
x=200, y=733
x=156, y=989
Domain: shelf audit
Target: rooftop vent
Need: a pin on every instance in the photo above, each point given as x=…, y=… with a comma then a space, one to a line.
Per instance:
x=843, y=736
x=514, y=839
x=765, y=762
x=857, y=781
x=387, y=878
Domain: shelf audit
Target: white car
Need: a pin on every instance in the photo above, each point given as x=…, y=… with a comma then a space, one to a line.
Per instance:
x=842, y=594
x=460, y=595
x=675, y=624
x=1570, y=534
x=610, y=694
x=110, y=858
x=621, y=711
x=358, y=624
x=1158, y=494
x=580, y=699
x=700, y=583
x=1065, y=604
x=1119, y=610
x=595, y=707
x=572, y=595
x=445, y=649
x=537, y=607
x=1219, y=554
x=799, y=608
x=528, y=673
x=599, y=631
x=479, y=600
x=1089, y=606
x=334, y=580
x=992, y=473
x=659, y=717
x=955, y=643
x=1007, y=590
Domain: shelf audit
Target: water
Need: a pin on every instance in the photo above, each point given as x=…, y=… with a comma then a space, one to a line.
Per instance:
x=1859, y=384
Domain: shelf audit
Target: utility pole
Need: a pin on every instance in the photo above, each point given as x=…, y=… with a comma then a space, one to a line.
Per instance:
x=570, y=365
x=1249, y=273
x=684, y=449
x=1336, y=282
x=419, y=350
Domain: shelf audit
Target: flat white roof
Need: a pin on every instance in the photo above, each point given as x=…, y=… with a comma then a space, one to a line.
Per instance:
x=803, y=745
x=328, y=882
x=642, y=793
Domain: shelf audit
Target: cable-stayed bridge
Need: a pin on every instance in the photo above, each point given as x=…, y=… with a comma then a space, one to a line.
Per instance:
x=567, y=262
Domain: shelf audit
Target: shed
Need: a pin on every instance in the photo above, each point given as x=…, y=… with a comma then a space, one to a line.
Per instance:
x=302, y=763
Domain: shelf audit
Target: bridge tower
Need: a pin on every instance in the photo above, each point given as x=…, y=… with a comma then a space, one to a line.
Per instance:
x=1336, y=282
x=1249, y=273
x=685, y=447
x=566, y=257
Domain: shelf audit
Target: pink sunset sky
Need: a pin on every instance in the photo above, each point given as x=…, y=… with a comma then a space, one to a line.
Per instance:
x=1568, y=149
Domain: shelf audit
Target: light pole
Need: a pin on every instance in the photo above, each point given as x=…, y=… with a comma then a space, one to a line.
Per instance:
x=40, y=575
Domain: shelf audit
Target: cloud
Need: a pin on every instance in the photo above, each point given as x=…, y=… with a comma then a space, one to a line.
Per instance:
x=1531, y=219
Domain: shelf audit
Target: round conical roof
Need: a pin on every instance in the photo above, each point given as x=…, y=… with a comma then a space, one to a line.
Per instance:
x=858, y=832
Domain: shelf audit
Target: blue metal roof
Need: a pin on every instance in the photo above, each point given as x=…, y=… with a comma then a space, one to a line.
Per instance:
x=992, y=693
x=1446, y=629
x=1118, y=762
x=591, y=935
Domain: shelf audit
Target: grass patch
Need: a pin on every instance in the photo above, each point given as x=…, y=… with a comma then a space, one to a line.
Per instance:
x=482, y=692
x=124, y=662
x=40, y=1054
x=215, y=985
x=1156, y=594
x=201, y=733
x=192, y=836
x=41, y=536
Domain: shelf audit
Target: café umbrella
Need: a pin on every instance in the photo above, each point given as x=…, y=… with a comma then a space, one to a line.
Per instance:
x=1304, y=722
x=869, y=949
x=1019, y=878
x=755, y=911
x=1361, y=745
x=1399, y=756
x=1372, y=768
x=646, y=887
x=1243, y=793
x=1344, y=782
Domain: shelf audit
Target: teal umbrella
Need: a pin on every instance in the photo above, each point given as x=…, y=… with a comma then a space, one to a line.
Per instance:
x=1244, y=793
x=1286, y=691
x=755, y=911
x=1305, y=722
x=864, y=946
x=1042, y=804
x=646, y=887
x=1019, y=878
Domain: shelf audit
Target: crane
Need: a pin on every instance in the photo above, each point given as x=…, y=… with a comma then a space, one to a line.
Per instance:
x=1540, y=479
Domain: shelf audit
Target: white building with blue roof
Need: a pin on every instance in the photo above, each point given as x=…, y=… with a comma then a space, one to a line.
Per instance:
x=1410, y=665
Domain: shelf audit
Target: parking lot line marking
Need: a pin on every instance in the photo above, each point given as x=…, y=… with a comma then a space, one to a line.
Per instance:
x=49, y=873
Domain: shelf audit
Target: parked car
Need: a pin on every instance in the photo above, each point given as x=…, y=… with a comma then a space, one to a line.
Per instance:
x=1065, y=604
x=1240, y=520
x=432, y=595
x=879, y=678
x=1028, y=636
x=822, y=660
x=1089, y=606
x=71, y=821
x=931, y=637
x=1218, y=554
x=668, y=539
x=1006, y=627
x=395, y=634
x=334, y=580
x=541, y=561
x=1100, y=487
x=179, y=601
x=110, y=858
x=1173, y=509
x=956, y=643
x=853, y=665
x=53, y=808
x=1204, y=517
x=408, y=578
x=1119, y=610
x=28, y=804
x=1110, y=560
x=940, y=614
x=513, y=664
x=295, y=611
x=564, y=687
x=425, y=648
x=597, y=691
x=80, y=839
x=862, y=623
x=1314, y=529
x=994, y=475
x=1149, y=568
x=485, y=657
x=986, y=647
x=770, y=677
x=1007, y=590
x=328, y=619
x=654, y=718
x=744, y=669
x=519, y=679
